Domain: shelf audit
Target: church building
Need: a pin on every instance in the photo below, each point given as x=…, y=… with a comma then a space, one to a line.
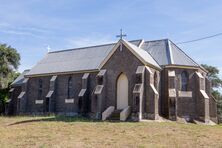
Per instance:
x=128, y=80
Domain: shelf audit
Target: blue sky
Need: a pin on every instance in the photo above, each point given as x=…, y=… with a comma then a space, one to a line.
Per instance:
x=32, y=25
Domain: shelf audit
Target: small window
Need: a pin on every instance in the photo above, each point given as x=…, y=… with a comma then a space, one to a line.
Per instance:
x=184, y=81
x=40, y=89
x=69, y=87
x=137, y=100
x=100, y=80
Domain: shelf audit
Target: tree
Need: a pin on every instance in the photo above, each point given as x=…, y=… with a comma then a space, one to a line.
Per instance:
x=213, y=73
x=213, y=76
x=9, y=62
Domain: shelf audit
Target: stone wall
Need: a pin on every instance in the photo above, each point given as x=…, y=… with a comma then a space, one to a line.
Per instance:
x=185, y=100
x=212, y=102
x=63, y=104
x=164, y=93
x=120, y=62
x=125, y=62
x=189, y=104
x=14, y=100
x=32, y=94
x=152, y=92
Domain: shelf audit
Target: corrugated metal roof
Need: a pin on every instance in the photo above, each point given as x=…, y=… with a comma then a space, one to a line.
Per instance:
x=72, y=60
x=180, y=57
x=144, y=55
x=159, y=52
x=136, y=42
x=18, y=81
x=79, y=59
x=165, y=52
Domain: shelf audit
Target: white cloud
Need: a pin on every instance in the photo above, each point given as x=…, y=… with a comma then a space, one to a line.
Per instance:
x=14, y=32
x=89, y=41
x=22, y=30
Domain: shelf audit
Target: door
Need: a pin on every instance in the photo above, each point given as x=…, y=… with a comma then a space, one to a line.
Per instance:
x=122, y=91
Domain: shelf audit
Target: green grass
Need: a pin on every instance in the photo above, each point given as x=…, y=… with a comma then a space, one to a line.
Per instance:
x=60, y=131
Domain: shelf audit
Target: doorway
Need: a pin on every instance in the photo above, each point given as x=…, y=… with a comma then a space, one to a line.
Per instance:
x=122, y=92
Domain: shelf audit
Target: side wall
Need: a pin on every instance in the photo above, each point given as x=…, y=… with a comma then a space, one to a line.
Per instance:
x=14, y=100
x=187, y=103
x=32, y=94
x=61, y=93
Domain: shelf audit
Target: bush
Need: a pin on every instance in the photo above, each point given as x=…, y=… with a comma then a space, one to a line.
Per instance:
x=4, y=95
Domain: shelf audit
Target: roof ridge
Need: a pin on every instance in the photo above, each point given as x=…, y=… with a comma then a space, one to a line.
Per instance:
x=170, y=51
x=156, y=40
x=135, y=40
x=79, y=48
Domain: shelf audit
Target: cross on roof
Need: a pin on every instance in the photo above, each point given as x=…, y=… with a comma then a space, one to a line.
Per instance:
x=121, y=34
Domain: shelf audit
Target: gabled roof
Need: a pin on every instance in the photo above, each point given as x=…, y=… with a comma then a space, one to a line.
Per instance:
x=155, y=53
x=165, y=52
x=73, y=60
x=18, y=81
x=141, y=54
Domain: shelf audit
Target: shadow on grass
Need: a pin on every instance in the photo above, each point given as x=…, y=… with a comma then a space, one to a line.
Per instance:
x=57, y=118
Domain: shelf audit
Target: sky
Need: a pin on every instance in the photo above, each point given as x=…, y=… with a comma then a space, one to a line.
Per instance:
x=34, y=26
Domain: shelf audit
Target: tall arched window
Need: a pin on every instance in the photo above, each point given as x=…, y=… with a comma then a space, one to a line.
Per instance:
x=40, y=89
x=69, y=87
x=155, y=80
x=184, y=81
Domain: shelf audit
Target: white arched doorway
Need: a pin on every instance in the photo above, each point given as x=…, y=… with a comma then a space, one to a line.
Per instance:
x=122, y=91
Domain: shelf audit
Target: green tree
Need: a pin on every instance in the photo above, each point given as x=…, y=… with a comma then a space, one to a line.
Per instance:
x=213, y=75
x=9, y=62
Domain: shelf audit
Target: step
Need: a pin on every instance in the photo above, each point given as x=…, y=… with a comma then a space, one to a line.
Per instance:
x=115, y=116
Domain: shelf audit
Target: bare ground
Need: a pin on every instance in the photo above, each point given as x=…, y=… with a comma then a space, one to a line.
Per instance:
x=78, y=132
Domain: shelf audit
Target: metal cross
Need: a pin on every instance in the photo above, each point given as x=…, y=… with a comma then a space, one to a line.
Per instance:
x=121, y=34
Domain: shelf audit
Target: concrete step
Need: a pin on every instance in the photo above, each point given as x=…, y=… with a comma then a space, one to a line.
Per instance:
x=115, y=116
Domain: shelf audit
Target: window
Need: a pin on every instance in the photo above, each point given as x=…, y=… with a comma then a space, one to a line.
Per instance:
x=69, y=87
x=155, y=80
x=184, y=81
x=40, y=89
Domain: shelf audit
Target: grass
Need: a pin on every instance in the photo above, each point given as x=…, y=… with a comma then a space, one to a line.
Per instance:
x=59, y=131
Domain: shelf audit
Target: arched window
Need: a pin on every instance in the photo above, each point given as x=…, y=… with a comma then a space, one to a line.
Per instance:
x=69, y=87
x=40, y=89
x=184, y=81
x=155, y=80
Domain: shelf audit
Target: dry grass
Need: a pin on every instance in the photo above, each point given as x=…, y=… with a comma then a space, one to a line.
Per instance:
x=76, y=132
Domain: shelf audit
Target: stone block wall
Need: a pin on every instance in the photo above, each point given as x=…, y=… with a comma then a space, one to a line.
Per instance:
x=212, y=102
x=186, y=99
x=120, y=62
x=63, y=104
x=32, y=94
x=151, y=102
x=123, y=61
x=99, y=95
x=14, y=100
x=189, y=104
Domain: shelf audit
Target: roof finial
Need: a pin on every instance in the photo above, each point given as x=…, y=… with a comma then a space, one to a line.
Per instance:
x=48, y=48
x=121, y=34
